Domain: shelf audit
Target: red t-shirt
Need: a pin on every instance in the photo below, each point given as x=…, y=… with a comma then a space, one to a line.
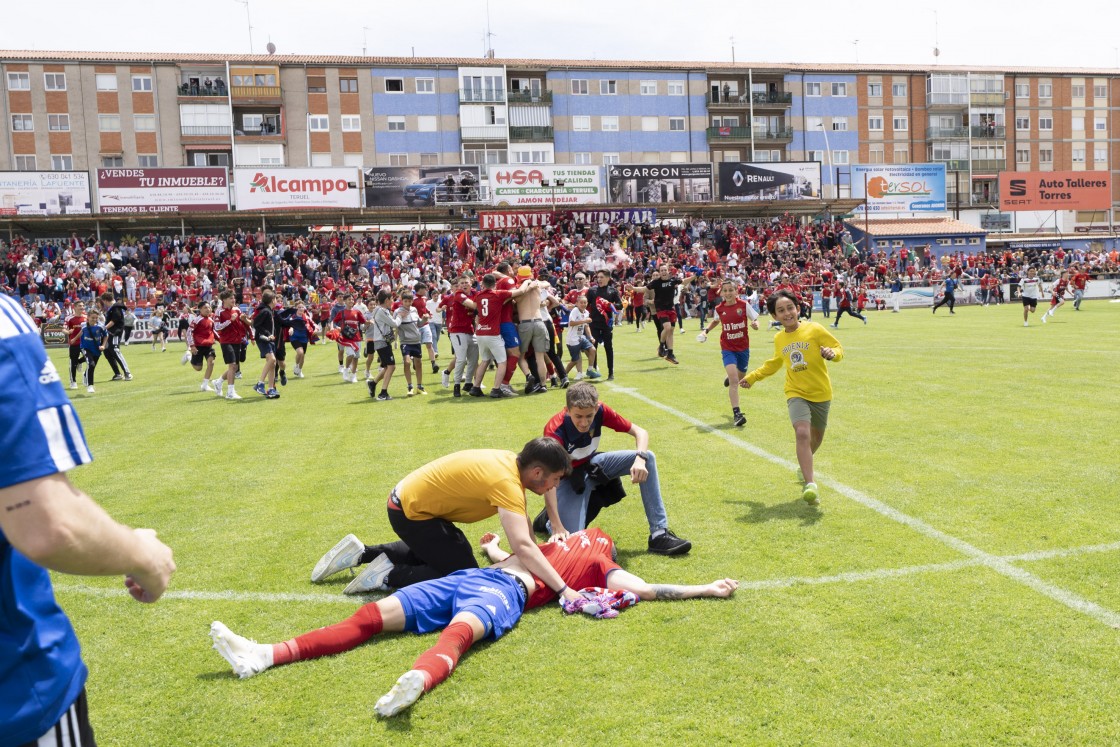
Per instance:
x=74, y=329
x=491, y=305
x=734, y=319
x=228, y=327
x=506, y=284
x=460, y=319
x=200, y=333
x=1079, y=280
x=583, y=559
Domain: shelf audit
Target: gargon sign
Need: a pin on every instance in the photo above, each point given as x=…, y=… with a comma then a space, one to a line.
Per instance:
x=287, y=189
x=523, y=186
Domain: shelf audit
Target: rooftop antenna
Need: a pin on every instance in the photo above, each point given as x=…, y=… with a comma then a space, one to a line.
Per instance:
x=270, y=47
x=855, y=43
x=365, y=29
x=248, y=22
x=936, y=39
x=488, y=38
x=733, y=50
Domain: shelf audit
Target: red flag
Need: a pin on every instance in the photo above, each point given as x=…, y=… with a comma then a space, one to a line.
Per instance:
x=462, y=241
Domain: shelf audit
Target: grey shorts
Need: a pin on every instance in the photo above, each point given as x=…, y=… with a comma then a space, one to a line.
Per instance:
x=802, y=410
x=534, y=332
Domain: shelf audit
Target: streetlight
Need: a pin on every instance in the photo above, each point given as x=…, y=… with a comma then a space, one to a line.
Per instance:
x=552, y=185
x=827, y=153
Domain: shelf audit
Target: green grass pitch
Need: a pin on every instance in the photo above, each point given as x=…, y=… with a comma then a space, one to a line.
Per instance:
x=957, y=586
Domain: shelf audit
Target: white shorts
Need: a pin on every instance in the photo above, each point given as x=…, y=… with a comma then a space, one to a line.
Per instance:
x=425, y=335
x=491, y=348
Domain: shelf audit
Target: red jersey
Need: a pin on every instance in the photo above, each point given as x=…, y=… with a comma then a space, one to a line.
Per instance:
x=1060, y=289
x=200, y=333
x=229, y=329
x=572, y=296
x=491, y=305
x=734, y=319
x=506, y=284
x=421, y=306
x=583, y=559
x=74, y=329
x=1079, y=280
x=460, y=319
x=349, y=322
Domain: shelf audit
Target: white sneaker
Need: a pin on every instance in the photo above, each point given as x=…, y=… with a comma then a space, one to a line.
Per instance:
x=372, y=577
x=205, y=386
x=578, y=377
x=346, y=554
x=218, y=389
x=1026, y=324
x=90, y=390
x=341, y=369
x=186, y=358
x=73, y=385
x=247, y=657
x=232, y=395
x=445, y=379
x=407, y=691
x=299, y=374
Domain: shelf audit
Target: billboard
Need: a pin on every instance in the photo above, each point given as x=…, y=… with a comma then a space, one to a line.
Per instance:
x=516, y=185
x=901, y=187
x=163, y=190
x=660, y=182
x=420, y=186
x=492, y=220
x=1055, y=190
x=265, y=188
x=45, y=193
x=757, y=182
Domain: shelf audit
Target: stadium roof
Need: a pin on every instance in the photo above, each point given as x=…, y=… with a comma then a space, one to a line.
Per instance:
x=915, y=227
x=359, y=61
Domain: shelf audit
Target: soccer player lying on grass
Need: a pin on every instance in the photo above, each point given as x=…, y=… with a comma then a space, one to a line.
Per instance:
x=466, y=606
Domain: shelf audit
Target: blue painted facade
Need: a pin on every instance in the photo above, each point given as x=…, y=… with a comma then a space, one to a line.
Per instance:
x=444, y=142
x=826, y=105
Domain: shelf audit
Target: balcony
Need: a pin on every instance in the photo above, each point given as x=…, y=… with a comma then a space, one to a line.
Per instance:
x=781, y=133
x=529, y=134
x=987, y=98
x=196, y=131
x=988, y=165
x=946, y=133
x=483, y=132
x=989, y=131
x=474, y=96
x=529, y=97
x=956, y=165
x=194, y=89
x=773, y=98
x=255, y=92
x=948, y=99
x=729, y=134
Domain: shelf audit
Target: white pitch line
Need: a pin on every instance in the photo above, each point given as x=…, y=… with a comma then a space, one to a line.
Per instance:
x=1000, y=565
x=215, y=596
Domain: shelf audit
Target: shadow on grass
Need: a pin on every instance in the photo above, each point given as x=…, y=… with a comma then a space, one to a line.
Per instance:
x=795, y=510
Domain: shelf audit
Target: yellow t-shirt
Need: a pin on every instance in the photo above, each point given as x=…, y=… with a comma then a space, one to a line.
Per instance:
x=466, y=486
x=800, y=352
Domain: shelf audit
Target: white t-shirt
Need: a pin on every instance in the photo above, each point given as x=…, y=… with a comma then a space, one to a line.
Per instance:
x=1031, y=287
x=574, y=333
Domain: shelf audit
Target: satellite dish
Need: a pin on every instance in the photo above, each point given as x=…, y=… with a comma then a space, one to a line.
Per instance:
x=271, y=48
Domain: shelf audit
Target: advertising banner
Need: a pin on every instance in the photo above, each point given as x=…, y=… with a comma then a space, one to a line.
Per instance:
x=591, y=217
x=267, y=188
x=420, y=186
x=1055, y=190
x=900, y=188
x=515, y=185
x=757, y=182
x=45, y=193
x=660, y=182
x=490, y=221
x=164, y=190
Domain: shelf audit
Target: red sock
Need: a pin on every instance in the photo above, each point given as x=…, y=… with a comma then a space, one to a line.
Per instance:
x=438, y=662
x=333, y=639
x=511, y=366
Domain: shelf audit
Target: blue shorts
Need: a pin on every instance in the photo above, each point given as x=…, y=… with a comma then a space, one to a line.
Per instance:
x=510, y=336
x=495, y=598
x=737, y=358
x=410, y=351
x=266, y=348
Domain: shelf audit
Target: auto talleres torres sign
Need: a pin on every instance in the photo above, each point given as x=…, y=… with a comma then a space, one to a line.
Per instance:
x=292, y=189
x=523, y=185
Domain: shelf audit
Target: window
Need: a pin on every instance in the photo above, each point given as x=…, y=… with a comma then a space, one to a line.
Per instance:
x=581, y=122
x=1022, y=124
x=355, y=160
x=1079, y=155
x=429, y=159
x=426, y=123
x=608, y=87
x=579, y=87
x=610, y=158
x=23, y=123
x=1077, y=124
x=610, y=124
x=62, y=163
x=875, y=90
x=581, y=159
x=1100, y=124
x=1045, y=123
x=141, y=83
x=398, y=159
x=144, y=122
x=839, y=124
x=649, y=124
x=676, y=88
x=817, y=155
x=105, y=81
x=1045, y=155
x=1045, y=90
x=25, y=163
x=839, y=89
x=348, y=85
x=648, y=88
x=1022, y=90
x=19, y=81
x=840, y=157
x=900, y=124
x=109, y=122
x=319, y=160
x=815, y=123
x=54, y=81
x=351, y=123
x=898, y=89
x=1077, y=92
x=1022, y=155
x=394, y=85
x=876, y=155
x=112, y=162
x=396, y=124
x=1100, y=155
x=875, y=124
x=264, y=79
x=58, y=122
x=318, y=123
x=901, y=155
x=676, y=124
x=425, y=85
x=147, y=162
x=316, y=84
x=1100, y=92
x=812, y=89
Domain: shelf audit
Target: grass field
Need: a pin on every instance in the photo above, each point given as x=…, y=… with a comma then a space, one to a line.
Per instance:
x=958, y=584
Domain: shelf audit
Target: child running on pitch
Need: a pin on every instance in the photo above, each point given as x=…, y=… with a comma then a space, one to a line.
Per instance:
x=734, y=342
x=200, y=346
x=94, y=337
x=1058, y=296
x=74, y=324
x=803, y=347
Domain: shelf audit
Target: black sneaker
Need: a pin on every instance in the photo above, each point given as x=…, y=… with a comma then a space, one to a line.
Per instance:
x=610, y=377
x=435, y=367
x=726, y=381
x=671, y=358
x=117, y=377
x=457, y=392
x=554, y=382
x=372, y=388
x=530, y=385
x=740, y=419
x=475, y=392
x=383, y=397
x=661, y=350
x=499, y=393
x=564, y=383
x=538, y=389
x=668, y=543
x=540, y=524
x=283, y=378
